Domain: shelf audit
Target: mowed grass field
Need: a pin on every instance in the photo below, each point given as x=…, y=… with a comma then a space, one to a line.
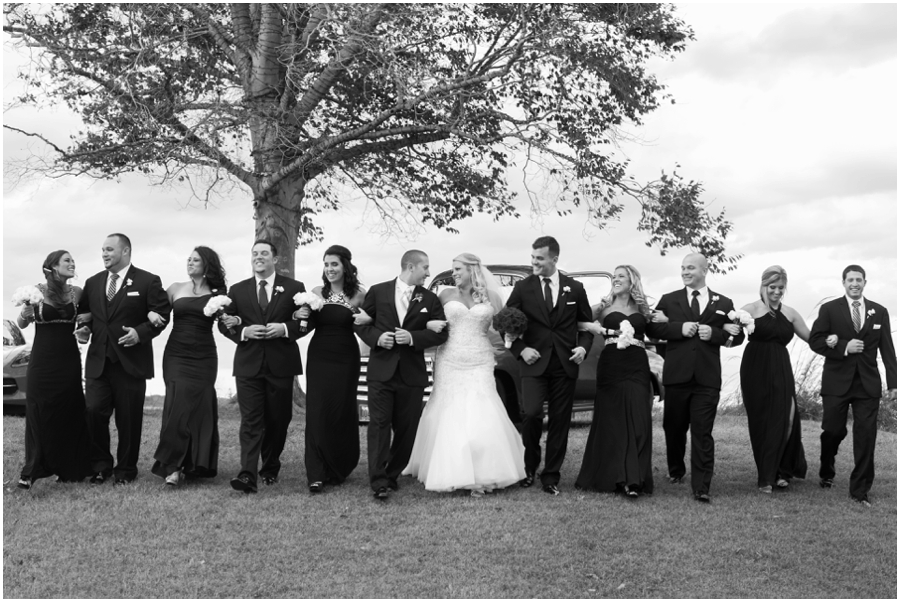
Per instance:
x=206, y=540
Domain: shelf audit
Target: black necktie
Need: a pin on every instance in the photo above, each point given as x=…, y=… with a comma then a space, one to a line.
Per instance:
x=263, y=300
x=548, y=295
x=695, y=304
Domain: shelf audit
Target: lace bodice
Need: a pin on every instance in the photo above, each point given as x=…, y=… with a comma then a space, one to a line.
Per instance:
x=467, y=343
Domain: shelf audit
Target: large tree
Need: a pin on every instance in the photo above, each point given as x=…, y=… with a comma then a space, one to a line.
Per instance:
x=428, y=110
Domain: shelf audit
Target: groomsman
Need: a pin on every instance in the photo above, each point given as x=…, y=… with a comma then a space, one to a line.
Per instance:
x=849, y=332
x=120, y=358
x=266, y=361
x=698, y=326
x=551, y=349
x=396, y=376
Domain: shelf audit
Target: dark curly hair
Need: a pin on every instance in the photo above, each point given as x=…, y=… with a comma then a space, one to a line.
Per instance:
x=212, y=269
x=57, y=291
x=351, y=279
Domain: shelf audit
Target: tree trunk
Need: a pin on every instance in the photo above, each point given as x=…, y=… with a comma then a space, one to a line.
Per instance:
x=278, y=220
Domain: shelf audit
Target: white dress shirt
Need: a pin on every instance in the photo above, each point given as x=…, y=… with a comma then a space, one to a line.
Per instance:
x=400, y=290
x=702, y=298
x=120, y=280
x=554, y=286
x=862, y=310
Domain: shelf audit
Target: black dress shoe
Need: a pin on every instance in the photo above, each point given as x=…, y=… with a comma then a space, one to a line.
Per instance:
x=702, y=497
x=631, y=493
x=316, y=487
x=243, y=483
x=98, y=478
x=24, y=483
x=826, y=483
x=381, y=494
x=528, y=481
x=676, y=480
x=551, y=489
x=269, y=480
x=394, y=486
x=123, y=481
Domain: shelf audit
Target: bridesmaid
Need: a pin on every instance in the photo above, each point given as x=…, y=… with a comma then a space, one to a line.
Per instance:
x=189, y=435
x=56, y=439
x=332, y=419
x=767, y=385
x=617, y=455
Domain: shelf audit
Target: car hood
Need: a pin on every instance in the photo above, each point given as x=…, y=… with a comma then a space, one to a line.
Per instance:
x=11, y=353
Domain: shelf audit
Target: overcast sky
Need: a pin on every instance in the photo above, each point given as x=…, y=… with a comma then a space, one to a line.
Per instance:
x=785, y=113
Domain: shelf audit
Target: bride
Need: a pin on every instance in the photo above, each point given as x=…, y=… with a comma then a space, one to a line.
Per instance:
x=465, y=439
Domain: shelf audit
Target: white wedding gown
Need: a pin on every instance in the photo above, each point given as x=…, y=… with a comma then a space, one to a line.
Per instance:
x=465, y=439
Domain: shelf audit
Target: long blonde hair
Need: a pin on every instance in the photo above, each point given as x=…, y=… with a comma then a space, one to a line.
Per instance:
x=771, y=275
x=636, y=292
x=482, y=280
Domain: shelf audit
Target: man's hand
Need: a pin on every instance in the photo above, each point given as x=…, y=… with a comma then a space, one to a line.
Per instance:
x=131, y=338
x=386, y=340
x=229, y=321
x=855, y=346
x=402, y=337
x=578, y=354
x=732, y=329
x=689, y=329
x=530, y=355
x=255, y=331
x=705, y=331
x=274, y=330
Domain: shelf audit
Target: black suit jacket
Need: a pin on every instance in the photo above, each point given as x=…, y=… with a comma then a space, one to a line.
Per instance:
x=280, y=355
x=837, y=374
x=140, y=293
x=409, y=360
x=551, y=333
x=693, y=358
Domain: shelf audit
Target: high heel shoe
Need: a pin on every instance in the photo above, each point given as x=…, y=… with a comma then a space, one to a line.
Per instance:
x=316, y=487
x=173, y=479
x=477, y=493
x=24, y=483
x=631, y=493
x=782, y=483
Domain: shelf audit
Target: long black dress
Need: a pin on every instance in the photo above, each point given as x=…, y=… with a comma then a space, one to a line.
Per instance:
x=767, y=385
x=56, y=438
x=189, y=436
x=332, y=374
x=619, y=448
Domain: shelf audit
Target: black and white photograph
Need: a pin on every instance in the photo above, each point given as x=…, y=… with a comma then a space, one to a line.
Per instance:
x=440, y=300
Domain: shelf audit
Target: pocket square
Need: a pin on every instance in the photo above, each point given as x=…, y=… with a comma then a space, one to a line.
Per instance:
x=424, y=310
x=133, y=294
x=719, y=311
x=876, y=326
x=570, y=302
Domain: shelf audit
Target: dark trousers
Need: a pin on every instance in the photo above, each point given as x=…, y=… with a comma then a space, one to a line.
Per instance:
x=393, y=406
x=691, y=405
x=558, y=389
x=117, y=390
x=865, y=427
x=266, y=408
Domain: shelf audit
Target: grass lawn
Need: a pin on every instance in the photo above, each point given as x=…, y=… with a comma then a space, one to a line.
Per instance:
x=206, y=540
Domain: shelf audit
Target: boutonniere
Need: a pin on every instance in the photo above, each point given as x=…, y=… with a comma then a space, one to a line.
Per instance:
x=870, y=313
x=715, y=298
x=418, y=298
x=566, y=289
x=279, y=289
x=128, y=282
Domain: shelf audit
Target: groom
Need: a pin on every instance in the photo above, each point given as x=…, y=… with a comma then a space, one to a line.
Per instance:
x=267, y=358
x=551, y=350
x=396, y=375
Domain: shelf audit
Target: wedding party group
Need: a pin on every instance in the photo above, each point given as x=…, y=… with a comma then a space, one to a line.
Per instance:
x=463, y=438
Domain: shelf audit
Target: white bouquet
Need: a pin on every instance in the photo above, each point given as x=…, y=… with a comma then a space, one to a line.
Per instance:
x=312, y=300
x=743, y=319
x=626, y=335
x=216, y=307
x=27, y=295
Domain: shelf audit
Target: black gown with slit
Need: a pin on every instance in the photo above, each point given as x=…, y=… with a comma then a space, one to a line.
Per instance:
x=189, y=435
